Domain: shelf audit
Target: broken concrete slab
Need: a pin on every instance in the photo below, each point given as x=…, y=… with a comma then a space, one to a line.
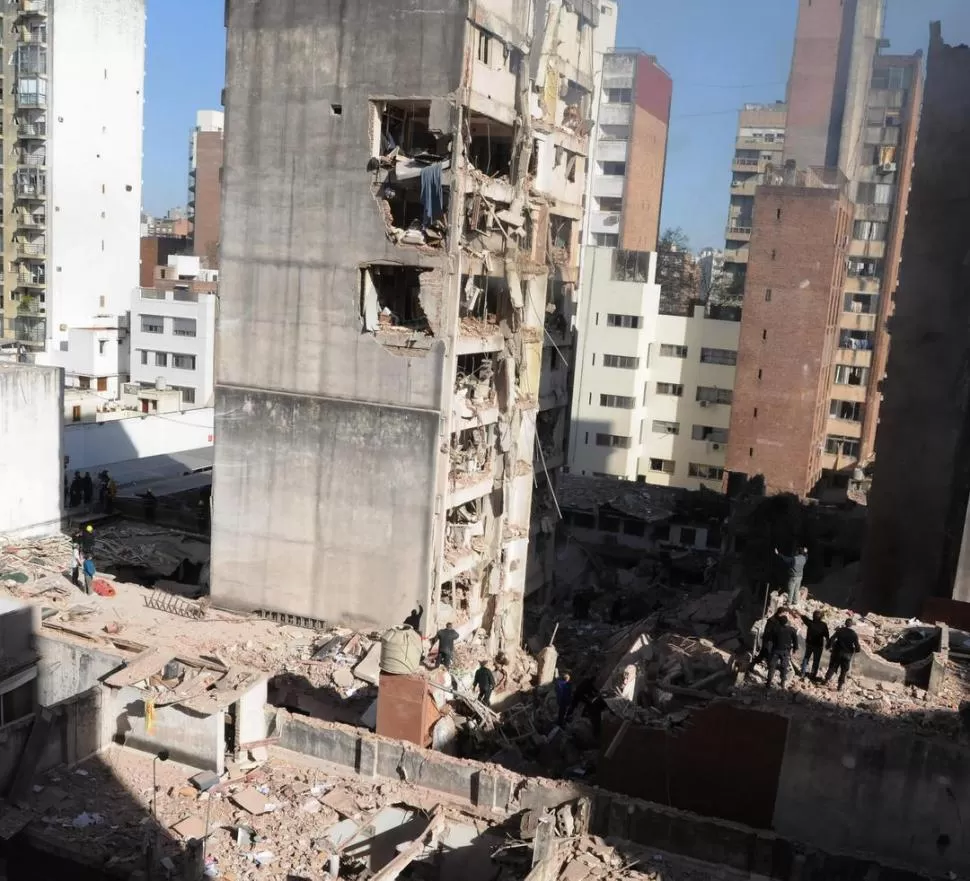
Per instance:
x=191, y=828
x=342, y=802
x=252, y=801
x=369, y=668
x=342, y=677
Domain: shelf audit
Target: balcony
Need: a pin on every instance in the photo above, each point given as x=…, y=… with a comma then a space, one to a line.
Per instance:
x=738, y=233
x=26, y=220
x=736, y=255
x=745, y=187
x=32, y=130
x=858, y=321
x=867, y=248
x=32, y=7
x=742, y=163
x=36, y=160
x=32, y=99
x=30, y=191
x=32, y=250
x=862, y=284
x=33, y=36
x=27, y=279
x=759, y=144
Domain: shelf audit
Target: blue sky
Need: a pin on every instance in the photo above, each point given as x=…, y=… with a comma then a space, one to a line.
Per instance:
x=720, y=53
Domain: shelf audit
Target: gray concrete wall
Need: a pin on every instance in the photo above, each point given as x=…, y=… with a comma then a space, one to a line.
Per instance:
x=31, y=465
x=876, y=789
x=323, y=504
x=918, y=501
x=75, y=735
x=198, y=741
x=66, y=669
x=323, y=507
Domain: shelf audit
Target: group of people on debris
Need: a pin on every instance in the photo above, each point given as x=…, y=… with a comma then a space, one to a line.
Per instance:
x=80, y=491
x=779, y=642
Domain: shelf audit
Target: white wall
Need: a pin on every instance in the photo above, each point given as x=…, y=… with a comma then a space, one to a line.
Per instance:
x=97, y=63
x=91, y=445
x=98, y=350
x=201, y=345
x=602, y=296
x=31, y=472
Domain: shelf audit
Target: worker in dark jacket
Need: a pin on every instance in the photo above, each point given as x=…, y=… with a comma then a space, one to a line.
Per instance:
x=564, y=697
x=768, y=636
x=785, y=642
x=816, y=638
x=445, y=639
x=485, y=683
x=844, y=645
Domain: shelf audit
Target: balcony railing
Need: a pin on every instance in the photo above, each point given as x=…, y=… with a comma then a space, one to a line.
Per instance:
x=32, y=221
x=31, y=99
x=185, y=296
x=33, y=7
x=32, y=250
x=32, y=130
x=31, y=280
x=35, y=37
x=152, y=294
x=30, y=191
x=37, y=160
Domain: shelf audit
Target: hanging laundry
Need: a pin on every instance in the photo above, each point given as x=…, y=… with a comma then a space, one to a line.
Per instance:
x=432, y=194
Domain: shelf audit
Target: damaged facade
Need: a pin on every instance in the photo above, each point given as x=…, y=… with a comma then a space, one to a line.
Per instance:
x=403, y=230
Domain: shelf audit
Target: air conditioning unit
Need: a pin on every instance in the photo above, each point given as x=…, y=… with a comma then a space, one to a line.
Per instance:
x=887, y=168
x=715, y=446
x=704, y=403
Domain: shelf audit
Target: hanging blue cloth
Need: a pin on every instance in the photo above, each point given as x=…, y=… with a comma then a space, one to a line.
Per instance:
x=432, y=195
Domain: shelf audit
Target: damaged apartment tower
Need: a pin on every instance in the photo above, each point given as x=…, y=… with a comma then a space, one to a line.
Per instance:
x=403, y=197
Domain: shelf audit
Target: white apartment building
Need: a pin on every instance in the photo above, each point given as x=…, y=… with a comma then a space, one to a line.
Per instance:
x=652, y=392
x=173, y=331
x=72, y=184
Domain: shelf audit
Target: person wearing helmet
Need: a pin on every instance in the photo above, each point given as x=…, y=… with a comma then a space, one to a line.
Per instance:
x=87, y=539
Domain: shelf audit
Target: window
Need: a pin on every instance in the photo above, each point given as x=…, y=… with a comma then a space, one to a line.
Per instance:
x=688, y=536
x=864, y=268
x=188, y=394
x=614, y=440
x=631, y=266
x=618, y=401
x=846, y=375
x=662, y=466
x=875, y=194
x=668, y=350
x=861, y=303
x=605, y=239
x=614, y=169
x=102, y=383
x=144, y=356
x=719, y=356
x=618, y=96
x=609, y=203
x=767, y=295
x=152, y=324
x=662, y=427
x=670, y=388
x=615, y=133
x=76, y=413
x=704, y=472
x=184, y=326
x=101, y=346
x=84, y=382
x=713, y=395
x=484, y=47
x=632, y=321
x=870, y=230
x=623, y=361
x=851, y=410
x=709, y=433
x=856, y=340
x=842, y=446
x=161, y=359
x=892, y=78
x=183, y=362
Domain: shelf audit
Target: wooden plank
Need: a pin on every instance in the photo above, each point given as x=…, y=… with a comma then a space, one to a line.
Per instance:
x=141, y=667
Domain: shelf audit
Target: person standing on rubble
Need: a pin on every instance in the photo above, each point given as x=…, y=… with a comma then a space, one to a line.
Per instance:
x=796, y=568
x=816, y=637
x=87, y=539
x=844, y=645
x=763, y=651
x=89, y=573
x=446, y=639
x=485, y=683
x=785, y=643
x=87, y=488
x=564, y=697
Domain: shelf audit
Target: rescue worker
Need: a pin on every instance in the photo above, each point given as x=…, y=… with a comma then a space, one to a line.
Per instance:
x=445, y=639
x=485, y=683
x=816, y=637
x=843, y=645
x=785, y=643
x=564, y=697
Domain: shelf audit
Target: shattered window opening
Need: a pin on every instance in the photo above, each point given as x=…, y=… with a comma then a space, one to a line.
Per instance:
x=488, y=299
x=631, y=266
x=490, y=146
x=390, y=298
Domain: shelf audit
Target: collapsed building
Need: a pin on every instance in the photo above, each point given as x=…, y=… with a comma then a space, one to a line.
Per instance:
x=403, y=202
